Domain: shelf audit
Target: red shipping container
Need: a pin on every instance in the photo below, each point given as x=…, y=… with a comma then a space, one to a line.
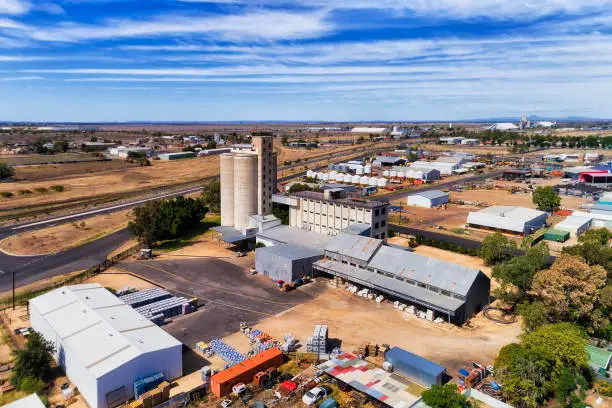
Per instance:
x=221, y=383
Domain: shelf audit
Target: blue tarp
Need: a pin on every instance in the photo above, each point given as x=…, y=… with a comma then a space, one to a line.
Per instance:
x=464, y=372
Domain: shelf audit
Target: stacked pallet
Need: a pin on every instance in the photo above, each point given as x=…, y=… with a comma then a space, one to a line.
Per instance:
x=173, y=306
x=145, y=297
x=318, y=342
x=226, y=352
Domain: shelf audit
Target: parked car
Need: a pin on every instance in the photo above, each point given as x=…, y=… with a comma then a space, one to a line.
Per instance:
x=239, y=389
x=314, y=395
x=226, y=403
x=240, y=254
x=330, y=402
x=20, y=330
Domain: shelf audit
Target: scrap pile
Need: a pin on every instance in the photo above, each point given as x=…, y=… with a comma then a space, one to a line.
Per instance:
x=229, y=354
x=318, y=342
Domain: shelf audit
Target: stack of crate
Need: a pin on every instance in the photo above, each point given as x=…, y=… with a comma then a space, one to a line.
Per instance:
x=170, y=307
x=318, y=342
x=145, y=297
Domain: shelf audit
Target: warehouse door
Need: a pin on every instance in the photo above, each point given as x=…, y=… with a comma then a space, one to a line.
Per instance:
x=116, y=397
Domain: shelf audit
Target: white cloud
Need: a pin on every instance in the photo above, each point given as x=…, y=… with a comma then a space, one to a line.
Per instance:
x=14, y=7
x=252, y=26
x=22, y=78
x=6, y=23
x=457, y=9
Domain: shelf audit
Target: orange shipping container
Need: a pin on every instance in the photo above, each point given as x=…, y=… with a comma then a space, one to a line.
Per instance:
x=221, y=384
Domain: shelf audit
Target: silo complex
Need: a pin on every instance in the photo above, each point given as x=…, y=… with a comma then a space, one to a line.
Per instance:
x=245, y=189
x=227, y=189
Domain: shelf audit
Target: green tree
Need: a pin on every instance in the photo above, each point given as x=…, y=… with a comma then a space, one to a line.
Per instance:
x=6, y=171
x=297, y=187
x=147, y=224
x=39, y=145
x=444, y=396
x=546, y=198
x=211, y=196
x=211, y=145
x=496, y=248
x=516, y=275
x=33, y=361
x=284, y=140
x=60, y=146
x=534, y=315
x=571, y=389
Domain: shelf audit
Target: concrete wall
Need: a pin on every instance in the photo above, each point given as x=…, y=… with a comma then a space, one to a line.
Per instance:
x=245, y=189
x=227, y=189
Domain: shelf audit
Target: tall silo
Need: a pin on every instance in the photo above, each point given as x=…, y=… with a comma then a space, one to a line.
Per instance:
x=227, y=189
x=245, y=189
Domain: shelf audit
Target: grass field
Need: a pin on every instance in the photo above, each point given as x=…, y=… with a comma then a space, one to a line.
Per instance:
x=59, y=171
x=64, y=236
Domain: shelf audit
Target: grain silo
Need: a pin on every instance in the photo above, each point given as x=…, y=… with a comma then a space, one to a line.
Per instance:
x=227, y=189
x=245, y=189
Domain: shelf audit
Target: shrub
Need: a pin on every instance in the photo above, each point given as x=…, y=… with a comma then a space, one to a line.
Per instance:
x=57, y=188
x=31, y=385
x=24, y=192
x=41, y=190
x=6, y=194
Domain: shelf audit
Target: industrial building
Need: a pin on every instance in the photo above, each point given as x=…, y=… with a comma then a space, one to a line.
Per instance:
x=30, y=401
x=124, y=151
x=601, y=209
x=428, y=199
x=102, y=344
x=388, y=161
x=332, y=211
x=445, y=165
x=420, y=370
x=248, y=180
x=452, y=291
x=214, y=152
x=508, y=219
x=286, y=262
x=176, y=156
x=368, y=130
x=418, y=173
x=575, y=225
x=597, y=220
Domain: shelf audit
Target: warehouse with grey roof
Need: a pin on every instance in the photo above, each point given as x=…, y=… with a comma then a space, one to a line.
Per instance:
x=452, y=291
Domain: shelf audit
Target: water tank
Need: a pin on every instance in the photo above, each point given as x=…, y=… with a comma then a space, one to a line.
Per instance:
x=359, y=170
x=393, y=174
x=332, y=174
x=382, y=182
x=340, y=177
x=355, y=179
x=373, y=181
x=347, y=178
x=367, y=169
x=364, y=181
x=309, y=174
x=227, y=189
x=330, y=166
x=386, y=173
x=325, y=177
x=245, y=189
x=401, y=174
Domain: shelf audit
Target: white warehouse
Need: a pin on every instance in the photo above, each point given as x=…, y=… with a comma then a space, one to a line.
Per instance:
x=508, y=219
x=428, y=199
x=102, y=344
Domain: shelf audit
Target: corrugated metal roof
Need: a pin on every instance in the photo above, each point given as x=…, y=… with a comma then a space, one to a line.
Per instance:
x=354, y=246
x=432, y=194
x=415, y=361
x=441, y=274
x=357, y=228
x=602, y=208
x=102, y=331
x=510, y=218
x=284, y=234
x=573, y=221
x=31, y=401
x=393, y=286
x=291, y=252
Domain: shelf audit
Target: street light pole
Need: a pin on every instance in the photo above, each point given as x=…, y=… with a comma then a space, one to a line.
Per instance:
x=13, y=290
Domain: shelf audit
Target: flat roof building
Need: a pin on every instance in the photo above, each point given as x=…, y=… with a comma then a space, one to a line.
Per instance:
x=453, y=291
x=31, y=401
x=176, y=156
x=509, y=219
x=103, y=344
x=575, y=225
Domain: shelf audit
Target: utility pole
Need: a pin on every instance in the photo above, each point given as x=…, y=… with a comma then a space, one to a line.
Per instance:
x=13, y=290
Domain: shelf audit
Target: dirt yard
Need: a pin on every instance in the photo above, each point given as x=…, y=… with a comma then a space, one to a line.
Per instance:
x=58, y=171
x=353, y=321
x=504, y=197
x=453, y=216
x=117, y=279
x=64, y=236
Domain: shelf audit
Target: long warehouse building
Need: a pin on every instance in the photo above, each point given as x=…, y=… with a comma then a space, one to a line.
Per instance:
x=453, y=291
x=102, y=344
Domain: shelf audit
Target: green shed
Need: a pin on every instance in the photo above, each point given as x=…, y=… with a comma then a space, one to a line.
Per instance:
x=556, y=235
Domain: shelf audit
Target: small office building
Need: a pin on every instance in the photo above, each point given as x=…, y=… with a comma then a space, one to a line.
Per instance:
x=575, y=225
x=507, y=219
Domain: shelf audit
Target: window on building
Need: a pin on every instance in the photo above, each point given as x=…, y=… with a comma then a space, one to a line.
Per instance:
x=421, y=285
x=383, y=211
x=376, y=225
x=445, y=293
x=382, y=235
x=376, y=213
x=399, y=278
x=410, y=281
x=383, y=223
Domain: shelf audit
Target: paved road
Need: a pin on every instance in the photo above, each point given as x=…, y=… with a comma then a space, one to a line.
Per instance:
x=29, y=269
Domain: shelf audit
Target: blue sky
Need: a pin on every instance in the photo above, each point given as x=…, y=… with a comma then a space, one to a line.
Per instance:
x=344, y=60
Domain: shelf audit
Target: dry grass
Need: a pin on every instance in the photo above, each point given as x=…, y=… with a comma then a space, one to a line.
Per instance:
x=131, y=179
x=58, y=171
x=64, y=236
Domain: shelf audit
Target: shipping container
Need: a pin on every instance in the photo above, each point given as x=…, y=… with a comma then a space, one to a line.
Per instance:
x=243, y=372
x=416, y=368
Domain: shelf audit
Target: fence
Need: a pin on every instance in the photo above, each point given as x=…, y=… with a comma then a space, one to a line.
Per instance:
x=71, y=280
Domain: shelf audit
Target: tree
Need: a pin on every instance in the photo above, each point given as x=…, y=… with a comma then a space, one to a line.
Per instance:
x=211, y=145
x=6, y=171
x=534, y=315
x=496, y=248
x=61, y=146
x=546, y=198
x=297, y=187
x=33, y=361
x=93, y=139
x=39, y=145
x=147, y=225
x=564, y=341
x=444, y=396
x=284, y=140
x=211, y=196
x=571, y=389
x=516, y=275
x=570, y=288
